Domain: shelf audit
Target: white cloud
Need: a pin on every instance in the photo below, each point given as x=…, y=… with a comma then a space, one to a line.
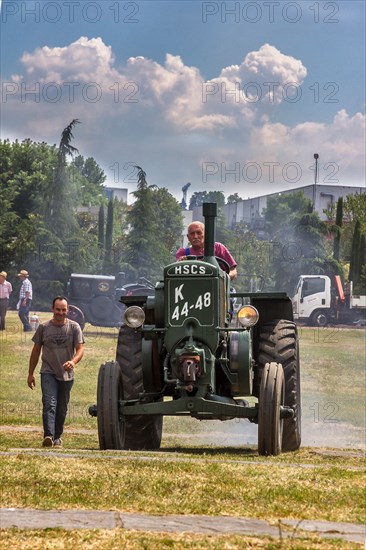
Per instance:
x=171, y=121
x=84, y=60
x=263, y=75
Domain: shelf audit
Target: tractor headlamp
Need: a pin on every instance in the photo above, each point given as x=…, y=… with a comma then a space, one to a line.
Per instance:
x=248, y=316
x=134, y=316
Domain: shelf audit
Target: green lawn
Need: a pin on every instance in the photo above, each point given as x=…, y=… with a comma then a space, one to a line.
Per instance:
x=224, y=474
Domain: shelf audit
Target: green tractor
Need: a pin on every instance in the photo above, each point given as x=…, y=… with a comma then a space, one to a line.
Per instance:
x=178, y=354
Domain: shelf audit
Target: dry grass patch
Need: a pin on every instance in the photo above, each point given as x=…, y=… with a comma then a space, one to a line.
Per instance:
x=98, y=539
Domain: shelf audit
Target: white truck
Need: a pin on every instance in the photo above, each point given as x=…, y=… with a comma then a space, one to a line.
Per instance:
x=318, y=302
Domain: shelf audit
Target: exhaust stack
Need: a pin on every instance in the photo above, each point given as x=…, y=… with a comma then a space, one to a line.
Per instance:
x=209, y=210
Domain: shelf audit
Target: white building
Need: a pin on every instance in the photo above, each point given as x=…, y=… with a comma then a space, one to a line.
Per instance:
x=250, y=211
x=116, y=193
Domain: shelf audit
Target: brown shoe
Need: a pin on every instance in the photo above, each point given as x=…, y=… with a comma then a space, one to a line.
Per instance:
x=47, y=442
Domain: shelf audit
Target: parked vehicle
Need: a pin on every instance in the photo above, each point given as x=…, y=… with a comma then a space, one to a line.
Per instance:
x=319, y=302
x=178, y=354
x=96, y=299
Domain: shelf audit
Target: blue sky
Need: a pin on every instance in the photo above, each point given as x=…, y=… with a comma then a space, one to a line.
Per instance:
x=231, y=96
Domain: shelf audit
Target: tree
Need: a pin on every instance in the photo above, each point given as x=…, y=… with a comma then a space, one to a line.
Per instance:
x=337, y=229
x=170, y=226
x=108, y=234
x=142, y=219
x=215, y=196
x=297, y=236
x=89, y=169
x=101, y=228
x=61, y=212
x=233, y=198
x=355, y=209
x=28, y=239
x=354, y=269
x=253, y=257
x=25, y=170
x=155, y=222
x=197, y=199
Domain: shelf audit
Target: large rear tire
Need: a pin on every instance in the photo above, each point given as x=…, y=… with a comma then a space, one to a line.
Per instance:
x=271, y=398
x=140, y=432
x=109, y=392
x=278, y=342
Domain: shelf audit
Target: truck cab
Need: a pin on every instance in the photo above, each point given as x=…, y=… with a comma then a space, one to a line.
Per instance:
x=318, y=301
x=312, y=299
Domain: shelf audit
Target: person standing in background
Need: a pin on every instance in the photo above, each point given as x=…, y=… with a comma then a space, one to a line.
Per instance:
x=5, y=290
x=25, y=299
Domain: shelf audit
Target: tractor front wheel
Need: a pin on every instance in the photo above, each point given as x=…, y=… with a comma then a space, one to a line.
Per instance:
x=140, y=431
x=271, y=398
x=278, y=342
x=109, y=392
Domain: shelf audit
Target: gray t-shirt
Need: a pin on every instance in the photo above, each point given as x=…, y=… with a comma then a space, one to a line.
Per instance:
x=58, y=345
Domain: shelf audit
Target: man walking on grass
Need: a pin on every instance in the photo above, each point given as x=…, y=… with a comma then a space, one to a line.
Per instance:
x=62, y=344
x=25, y=299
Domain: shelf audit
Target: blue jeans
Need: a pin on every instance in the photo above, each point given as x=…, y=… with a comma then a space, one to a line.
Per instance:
x=24, y=315
x=55, y=399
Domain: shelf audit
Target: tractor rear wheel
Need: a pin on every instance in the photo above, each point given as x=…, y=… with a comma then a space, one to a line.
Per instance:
x=271, y=398
x=140, y=431
x=109, y=392
x=278, y=342
x=75, y=314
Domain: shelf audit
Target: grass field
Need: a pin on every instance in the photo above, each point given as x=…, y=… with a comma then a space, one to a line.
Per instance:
x=207, y=468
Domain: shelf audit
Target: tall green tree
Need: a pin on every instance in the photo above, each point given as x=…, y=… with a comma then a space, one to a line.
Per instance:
x=27, y=238
x=89, y=169
x=298, y=240
x=140, y=242
x=199, y=197
x=215, y=196
x=87, y=179
x=155, y=221
x=361, y=286
x=354, y=269
x=253, y=256
x=234, y=198
x=337, y=229
x=109, y=233
x=101, y=240
x=61, y=208
x=25, y=170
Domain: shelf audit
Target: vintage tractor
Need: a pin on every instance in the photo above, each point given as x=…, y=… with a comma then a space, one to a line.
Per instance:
x=180, y=353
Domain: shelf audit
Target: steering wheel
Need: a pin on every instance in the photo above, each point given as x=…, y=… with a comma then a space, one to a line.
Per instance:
x=222, y=263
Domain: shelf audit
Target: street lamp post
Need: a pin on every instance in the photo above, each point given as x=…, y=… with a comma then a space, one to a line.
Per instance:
x=316, y=178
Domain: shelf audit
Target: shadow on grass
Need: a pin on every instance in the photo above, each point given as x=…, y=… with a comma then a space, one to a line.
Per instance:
x=210, y=451
x=198, y=451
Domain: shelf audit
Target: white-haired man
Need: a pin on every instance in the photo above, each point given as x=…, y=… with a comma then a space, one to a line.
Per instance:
x=196, y=237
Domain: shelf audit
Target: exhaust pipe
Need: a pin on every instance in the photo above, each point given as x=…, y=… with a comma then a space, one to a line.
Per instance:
x=209, y=210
